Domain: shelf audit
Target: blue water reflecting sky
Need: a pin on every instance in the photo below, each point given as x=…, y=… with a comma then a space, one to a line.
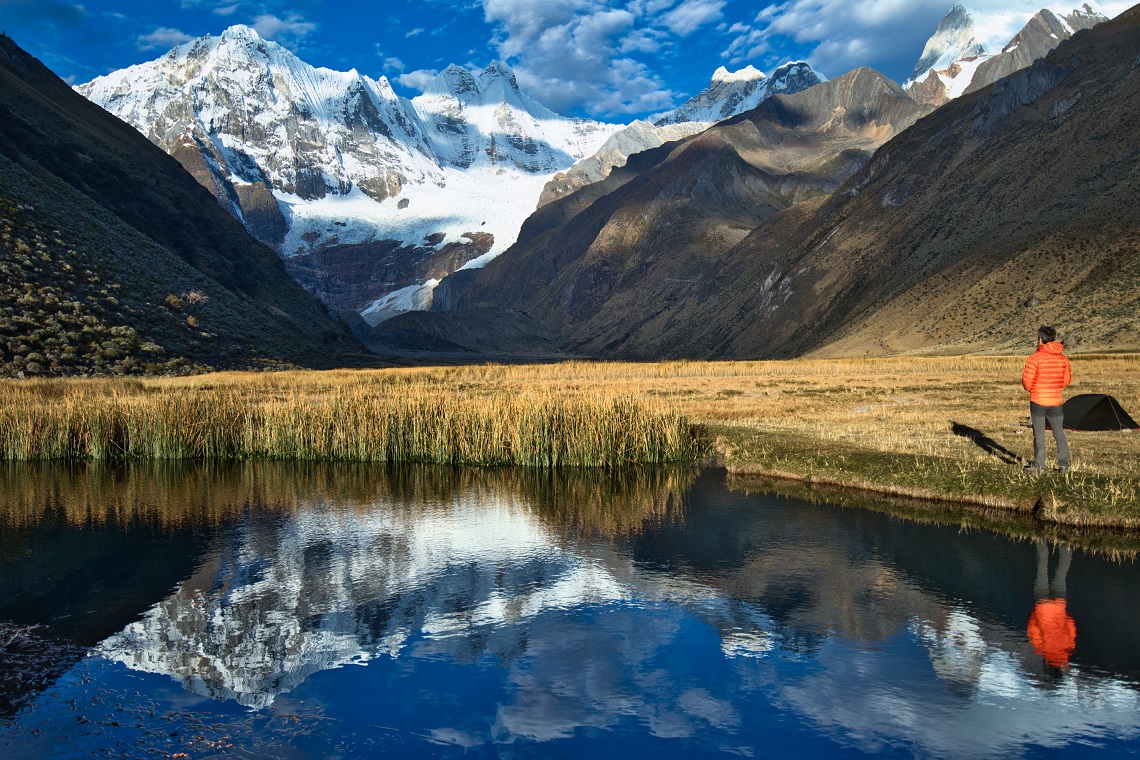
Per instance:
x=473, y=620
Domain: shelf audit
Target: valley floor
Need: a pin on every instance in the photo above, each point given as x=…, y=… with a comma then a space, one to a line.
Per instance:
x=951, y=429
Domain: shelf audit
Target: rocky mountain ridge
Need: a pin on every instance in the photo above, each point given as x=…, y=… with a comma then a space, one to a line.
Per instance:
x=954, y=62
x=728, y=94
x=606, y=261
x=956, y=236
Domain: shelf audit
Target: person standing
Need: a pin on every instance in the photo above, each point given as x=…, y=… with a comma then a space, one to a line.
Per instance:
x=1046, y=374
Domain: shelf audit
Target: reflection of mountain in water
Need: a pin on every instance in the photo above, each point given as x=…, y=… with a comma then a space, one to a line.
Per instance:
x=833, y=615
x=281, y=600
x=578, y=604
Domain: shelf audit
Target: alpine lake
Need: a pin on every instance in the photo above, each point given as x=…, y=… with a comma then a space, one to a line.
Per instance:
x=283, y=610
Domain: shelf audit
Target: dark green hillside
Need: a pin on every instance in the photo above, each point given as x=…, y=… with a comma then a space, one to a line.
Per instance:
x=103, y=240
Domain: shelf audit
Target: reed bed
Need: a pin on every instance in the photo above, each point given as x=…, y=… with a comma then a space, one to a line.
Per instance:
x=111, y=420
x=948, y=428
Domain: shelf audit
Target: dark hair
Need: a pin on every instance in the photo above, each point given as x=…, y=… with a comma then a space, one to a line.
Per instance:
x=1046, y=334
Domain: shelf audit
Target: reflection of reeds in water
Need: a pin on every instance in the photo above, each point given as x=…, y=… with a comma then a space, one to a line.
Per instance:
x=180, y=494
x=337, y=421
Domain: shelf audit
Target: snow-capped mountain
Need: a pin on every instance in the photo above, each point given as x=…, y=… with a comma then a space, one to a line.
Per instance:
x=952, y=41
x=732, y=93
x=335, y=164
x=729, y=94
x=958, y=58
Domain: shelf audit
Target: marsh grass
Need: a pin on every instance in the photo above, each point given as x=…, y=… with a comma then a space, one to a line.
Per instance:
x=887, y=425
x=233, y=418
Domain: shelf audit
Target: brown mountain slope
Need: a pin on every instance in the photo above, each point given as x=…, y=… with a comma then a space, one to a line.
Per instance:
x=609, y=261
x=100, y=227
x=1003, y=210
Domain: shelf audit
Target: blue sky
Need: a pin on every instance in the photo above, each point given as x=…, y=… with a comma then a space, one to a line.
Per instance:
x=614, y=60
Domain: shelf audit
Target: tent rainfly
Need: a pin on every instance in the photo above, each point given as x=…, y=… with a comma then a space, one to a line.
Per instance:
x=1096, y=411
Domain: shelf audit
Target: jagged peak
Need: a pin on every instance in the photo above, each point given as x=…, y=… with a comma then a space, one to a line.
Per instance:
x=746, y=74
x=499, y=70
x=241, y=33
x=498, y=67
x=956, y=15
x=452, y=81
x=796, y=67
x=954, y=38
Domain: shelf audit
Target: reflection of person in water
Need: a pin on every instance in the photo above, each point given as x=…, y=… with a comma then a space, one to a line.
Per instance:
x=1052, y=632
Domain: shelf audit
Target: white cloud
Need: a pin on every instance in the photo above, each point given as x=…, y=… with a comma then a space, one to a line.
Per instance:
x=417, y=80
x=885, y=34
x=692, y=15
x=288, y=31
x=163, y=37
x=577, y=53
x=418, y=30
x=997, y=22
x=394, y=64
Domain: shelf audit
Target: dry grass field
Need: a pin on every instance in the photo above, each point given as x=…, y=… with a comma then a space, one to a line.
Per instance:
x=948, y=428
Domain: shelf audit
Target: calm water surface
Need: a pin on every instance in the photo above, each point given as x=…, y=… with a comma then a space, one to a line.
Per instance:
x=285, y=611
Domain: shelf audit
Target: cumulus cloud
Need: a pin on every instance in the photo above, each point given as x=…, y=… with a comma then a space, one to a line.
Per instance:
x=691, y=15
x=579, y=53
x=288, y=31
x=417, y=80
x=885, y=34
x=163, y=37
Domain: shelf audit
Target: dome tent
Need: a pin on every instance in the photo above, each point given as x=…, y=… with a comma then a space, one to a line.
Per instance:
x=1096, y=411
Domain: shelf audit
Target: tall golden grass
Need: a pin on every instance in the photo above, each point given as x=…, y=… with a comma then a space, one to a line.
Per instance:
x=343, y=421
x=892, y=425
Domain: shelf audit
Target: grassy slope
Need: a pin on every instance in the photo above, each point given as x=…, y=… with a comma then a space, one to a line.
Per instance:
x=100, y=226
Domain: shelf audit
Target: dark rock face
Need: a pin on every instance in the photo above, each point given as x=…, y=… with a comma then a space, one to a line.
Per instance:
x=252, y=203
x=351, y=277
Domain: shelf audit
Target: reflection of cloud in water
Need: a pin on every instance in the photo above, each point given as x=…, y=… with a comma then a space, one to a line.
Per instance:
x=864, y=696
x=588, y=638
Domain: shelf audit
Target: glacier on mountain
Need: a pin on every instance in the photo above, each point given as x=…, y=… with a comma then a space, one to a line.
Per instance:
x=957, y=58
x=347, y=160
x=370, y=196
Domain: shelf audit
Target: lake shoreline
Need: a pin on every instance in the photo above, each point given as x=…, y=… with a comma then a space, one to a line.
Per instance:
x=949, y=429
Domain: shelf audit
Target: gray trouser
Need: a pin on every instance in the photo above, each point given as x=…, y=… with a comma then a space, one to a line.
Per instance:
x=1056, y=419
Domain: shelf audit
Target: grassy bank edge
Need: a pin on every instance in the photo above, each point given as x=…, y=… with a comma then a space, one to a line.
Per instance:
x=1115, y=542
x=1063, y=499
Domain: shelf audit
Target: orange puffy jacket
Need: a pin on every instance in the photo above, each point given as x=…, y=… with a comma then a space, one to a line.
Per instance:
x=1046, y=373
x=1052, y=632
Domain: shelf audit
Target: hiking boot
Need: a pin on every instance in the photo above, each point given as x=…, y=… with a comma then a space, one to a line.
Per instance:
x=1063, y=468
x=1033, y=469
